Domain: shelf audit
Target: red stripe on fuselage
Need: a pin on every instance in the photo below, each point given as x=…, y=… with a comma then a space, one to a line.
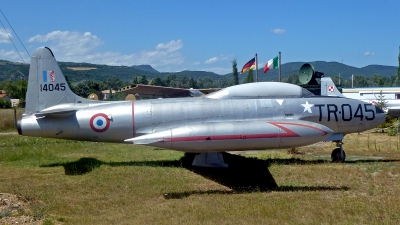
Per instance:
x=133, y=119
x=296, y=124
x=289, y=133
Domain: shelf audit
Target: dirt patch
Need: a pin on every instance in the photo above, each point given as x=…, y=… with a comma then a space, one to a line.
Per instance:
x=14, y=210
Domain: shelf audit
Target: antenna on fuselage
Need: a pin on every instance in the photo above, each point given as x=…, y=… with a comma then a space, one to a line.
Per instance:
x=308, y=75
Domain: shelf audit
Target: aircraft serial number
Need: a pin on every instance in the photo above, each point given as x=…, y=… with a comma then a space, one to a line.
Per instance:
x=346, y=112
x=52, y=87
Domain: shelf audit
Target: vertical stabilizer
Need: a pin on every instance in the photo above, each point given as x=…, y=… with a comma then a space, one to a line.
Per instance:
x=328, y=88
x=47, y=85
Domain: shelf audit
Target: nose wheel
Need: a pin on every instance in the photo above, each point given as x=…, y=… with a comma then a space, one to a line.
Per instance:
x=338, y=155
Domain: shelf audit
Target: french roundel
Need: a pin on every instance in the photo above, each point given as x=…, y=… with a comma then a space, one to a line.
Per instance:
x=99, y=122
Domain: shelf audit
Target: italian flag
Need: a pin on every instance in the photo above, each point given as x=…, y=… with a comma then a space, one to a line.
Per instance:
x=272, y=64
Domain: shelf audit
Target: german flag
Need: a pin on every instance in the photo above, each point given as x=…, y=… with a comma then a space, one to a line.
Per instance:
x=249, y=65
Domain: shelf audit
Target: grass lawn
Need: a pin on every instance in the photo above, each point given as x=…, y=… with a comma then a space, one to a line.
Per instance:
x=73, y=182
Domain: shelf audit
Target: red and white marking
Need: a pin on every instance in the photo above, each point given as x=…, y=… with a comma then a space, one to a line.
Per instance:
x=331, y=88
x=99, y=122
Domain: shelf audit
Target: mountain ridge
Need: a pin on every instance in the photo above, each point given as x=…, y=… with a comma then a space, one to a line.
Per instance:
x=17, y=71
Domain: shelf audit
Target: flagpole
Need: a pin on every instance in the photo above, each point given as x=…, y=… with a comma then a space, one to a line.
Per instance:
x=352, y=79
x=256, y=68
x=279, y=66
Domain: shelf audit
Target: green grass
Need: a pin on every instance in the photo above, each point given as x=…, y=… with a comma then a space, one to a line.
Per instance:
x=101, y=183
x=7, y=123
x=74, y=182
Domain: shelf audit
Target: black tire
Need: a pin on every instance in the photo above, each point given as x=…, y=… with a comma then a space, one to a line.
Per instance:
x=336, y=156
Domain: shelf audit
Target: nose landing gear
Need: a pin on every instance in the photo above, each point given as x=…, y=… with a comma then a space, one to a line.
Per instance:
x=338, y=155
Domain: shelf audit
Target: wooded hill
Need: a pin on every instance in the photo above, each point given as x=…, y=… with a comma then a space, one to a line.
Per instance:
x=77, y=72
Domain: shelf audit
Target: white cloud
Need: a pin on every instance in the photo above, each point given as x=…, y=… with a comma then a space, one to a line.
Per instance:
x=165, y=54
x=369, y=53
x=82, y=47
x=212, y=60
x=4, y=36
x=13, y=56
x=278, y=31
x=217, y=59
x=70, y=44
x=171, y=46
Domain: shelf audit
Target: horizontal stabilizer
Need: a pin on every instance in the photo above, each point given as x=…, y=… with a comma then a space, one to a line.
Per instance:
x=55, y=113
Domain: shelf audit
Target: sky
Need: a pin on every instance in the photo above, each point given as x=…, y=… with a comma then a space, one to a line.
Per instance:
x=205, y=35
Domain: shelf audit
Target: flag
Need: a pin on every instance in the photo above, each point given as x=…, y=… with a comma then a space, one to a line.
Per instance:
x=272, y=64
x=49, y=76
x=249, y=65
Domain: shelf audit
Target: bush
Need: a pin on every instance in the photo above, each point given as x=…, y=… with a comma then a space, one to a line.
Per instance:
x=4, y=104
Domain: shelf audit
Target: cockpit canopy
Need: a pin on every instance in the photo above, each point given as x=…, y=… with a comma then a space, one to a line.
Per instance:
x=261, y=90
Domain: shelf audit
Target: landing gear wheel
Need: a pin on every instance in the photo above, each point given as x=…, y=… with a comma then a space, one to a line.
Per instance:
x=337, y=157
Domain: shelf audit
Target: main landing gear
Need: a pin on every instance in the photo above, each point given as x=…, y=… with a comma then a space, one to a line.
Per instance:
x=338, y=155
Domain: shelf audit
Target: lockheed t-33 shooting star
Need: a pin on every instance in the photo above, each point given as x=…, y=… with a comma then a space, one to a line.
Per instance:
x=253, y=116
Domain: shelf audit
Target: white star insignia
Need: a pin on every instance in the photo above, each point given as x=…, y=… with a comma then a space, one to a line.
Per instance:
x=307, y=107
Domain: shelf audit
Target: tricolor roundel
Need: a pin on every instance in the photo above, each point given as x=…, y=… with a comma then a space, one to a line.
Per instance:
x=99, y=122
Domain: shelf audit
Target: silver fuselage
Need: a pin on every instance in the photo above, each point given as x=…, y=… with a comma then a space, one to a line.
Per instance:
x=135, y=118
x=263, y=115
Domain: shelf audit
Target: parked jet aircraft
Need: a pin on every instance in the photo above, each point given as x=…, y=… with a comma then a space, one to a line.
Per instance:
x=390, y=95
x=254, y=116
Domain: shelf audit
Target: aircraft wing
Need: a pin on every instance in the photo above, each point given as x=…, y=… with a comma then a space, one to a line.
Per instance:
x=236, y=135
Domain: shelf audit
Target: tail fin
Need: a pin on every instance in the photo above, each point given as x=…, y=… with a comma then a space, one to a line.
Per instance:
x=328, y=88
x=47, y=85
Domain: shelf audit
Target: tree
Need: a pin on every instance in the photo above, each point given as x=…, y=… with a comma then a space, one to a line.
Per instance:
x=157, y=82
x=115, y=83
x=380, y=82
x=81, y=90
x=135, y=80
x=169, y=80
x=360, y=81
x=192, y=83
x=15, y=89
x=235, y=72
x=293, y=78
x=249, y=77
x=4, y=103
x=143, y=80
x=381, y=101
x=337, y=80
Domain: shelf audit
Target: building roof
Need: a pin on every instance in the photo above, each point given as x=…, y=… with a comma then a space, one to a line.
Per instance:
x=372, y=90
x=3, y=95
x=165, y=92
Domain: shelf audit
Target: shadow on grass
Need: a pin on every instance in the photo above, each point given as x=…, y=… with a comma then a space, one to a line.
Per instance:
x=371, y=161
x=181, y=195
x=86, y=165
x=242, y=175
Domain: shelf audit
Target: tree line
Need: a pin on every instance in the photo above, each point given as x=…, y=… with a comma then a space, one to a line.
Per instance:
x=17, y=89
x=358, y=81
